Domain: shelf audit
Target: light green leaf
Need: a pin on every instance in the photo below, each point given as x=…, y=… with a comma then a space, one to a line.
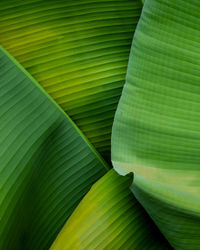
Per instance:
x=156, y=132
x=109, y=217
x=78, y=51
x=46, y=164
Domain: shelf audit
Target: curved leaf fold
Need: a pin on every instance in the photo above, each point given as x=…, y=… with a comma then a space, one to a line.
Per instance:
x=156, y=131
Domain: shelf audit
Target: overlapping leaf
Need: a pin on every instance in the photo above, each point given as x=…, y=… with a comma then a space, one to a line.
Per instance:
x=78, y=51
x=109, y=217
x=46, y=164
x=156, y=131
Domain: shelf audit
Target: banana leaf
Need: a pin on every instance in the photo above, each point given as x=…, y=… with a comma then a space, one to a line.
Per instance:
x=109, y=217
x=78, y=51
x=46, y=163
x=156, y=133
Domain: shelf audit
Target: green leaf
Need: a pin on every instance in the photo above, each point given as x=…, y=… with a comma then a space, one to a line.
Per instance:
x=156, y=132
x=46, y=164
x=78, y=51
x=109, y=217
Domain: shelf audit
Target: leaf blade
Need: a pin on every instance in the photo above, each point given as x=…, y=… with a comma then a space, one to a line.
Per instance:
x=47, y=165
x=83, y=51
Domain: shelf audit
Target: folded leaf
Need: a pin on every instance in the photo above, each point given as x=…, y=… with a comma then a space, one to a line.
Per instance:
x=78, y=51
x=156, y=132
x=109, y=217
x=46, y=164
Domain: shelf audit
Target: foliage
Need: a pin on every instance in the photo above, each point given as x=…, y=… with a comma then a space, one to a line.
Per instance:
x=63, y=66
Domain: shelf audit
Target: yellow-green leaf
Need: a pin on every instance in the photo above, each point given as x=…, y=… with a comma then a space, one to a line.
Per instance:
x=109, y=217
